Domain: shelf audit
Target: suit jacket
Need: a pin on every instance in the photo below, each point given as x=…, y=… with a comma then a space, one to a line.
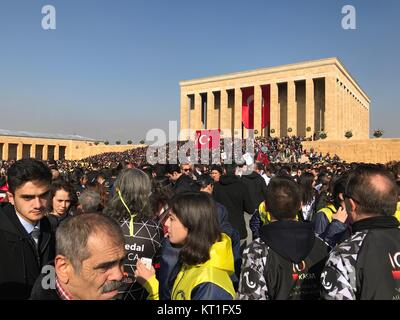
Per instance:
x=21, y=262
x=183, y=184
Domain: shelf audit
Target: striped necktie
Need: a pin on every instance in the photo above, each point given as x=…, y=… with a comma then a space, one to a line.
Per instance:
x=35, y=233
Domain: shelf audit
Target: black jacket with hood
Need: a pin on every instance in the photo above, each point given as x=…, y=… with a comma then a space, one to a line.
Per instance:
x=285, y=263
x=257, y=188
x=233, y=194
x=183, y=184
x=21, y=262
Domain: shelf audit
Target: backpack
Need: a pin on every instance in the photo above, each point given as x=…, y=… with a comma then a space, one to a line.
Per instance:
x=287, y=280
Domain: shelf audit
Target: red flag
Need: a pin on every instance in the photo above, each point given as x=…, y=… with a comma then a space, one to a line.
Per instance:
x=207, y=139
x=266, y=107
x=248, y=107
x=263, y=158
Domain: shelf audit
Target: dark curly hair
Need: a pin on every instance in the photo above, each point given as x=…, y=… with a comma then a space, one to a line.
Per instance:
x=60, y=184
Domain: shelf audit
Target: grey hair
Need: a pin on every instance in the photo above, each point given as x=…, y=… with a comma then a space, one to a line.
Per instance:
x=90, y=201
x=135, y=188
x=73, y=233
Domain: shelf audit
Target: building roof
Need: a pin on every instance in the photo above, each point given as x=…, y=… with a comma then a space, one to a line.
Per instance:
x=304, y=64
x=58, y=136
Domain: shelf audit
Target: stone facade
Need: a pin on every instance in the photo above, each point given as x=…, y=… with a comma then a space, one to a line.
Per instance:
x=367, y=151
x=15, y=148
x=302, y=99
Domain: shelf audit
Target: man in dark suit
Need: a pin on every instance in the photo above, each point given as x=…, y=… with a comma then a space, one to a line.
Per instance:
x=181, y=182
x=26, y=238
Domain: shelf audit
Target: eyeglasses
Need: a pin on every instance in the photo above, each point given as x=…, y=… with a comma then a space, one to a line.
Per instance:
x=186, y=170
x=164, y=214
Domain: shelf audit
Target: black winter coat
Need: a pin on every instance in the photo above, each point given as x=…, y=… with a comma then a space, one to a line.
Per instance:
x=233, y=194
x=257, y=188
x=21, y=262
x=183, y=184
x=40, y=293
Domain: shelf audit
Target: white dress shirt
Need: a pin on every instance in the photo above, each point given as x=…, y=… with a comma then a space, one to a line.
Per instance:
x=32, y=229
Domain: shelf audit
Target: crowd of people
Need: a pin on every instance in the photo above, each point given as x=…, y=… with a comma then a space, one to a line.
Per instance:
x=288, y=224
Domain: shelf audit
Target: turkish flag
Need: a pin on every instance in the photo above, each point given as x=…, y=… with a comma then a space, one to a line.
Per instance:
x=207, y=139
x=263, y=158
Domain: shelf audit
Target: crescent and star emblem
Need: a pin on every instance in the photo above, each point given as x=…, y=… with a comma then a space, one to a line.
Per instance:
x=201, y=139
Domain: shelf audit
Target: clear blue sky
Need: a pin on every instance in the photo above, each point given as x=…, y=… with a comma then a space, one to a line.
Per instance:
x=111, y=69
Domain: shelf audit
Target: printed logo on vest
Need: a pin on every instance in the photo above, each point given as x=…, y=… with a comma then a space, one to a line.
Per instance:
x=298, y=270
x=395, y=262
x=249, y=281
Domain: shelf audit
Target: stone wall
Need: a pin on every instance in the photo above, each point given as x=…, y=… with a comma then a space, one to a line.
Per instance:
x=84, y=151
x=368, y=150
x=13, y=147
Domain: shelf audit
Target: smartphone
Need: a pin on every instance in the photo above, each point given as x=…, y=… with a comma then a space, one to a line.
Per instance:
x=147, y=262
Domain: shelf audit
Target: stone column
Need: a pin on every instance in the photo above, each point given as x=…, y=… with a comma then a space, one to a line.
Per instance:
x=275, y=111
x=357, y=117
x=339, y=132
x=330, y=108
x=367, y=122
x=352, y=121
x=19, y=151
x=5, y=151
x=45, y=153
x=347, y=110
x=310, y=107
x=184, y=116
x=342, y=111
x=238, y=113
x=360, y=109
x=193, y=121
x=212, y=115
x=57, y=152
x=225, y=114
x=33, y=150
x=292, y=108
x=362, y=121
x=354, y=116
x=197, y=112
x=257, y=110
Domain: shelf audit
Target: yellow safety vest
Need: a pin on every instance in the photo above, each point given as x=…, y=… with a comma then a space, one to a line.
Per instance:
x=191, y=276
x=397, y=214
x=329, y=210
x=189, y=279
x=265, y=216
